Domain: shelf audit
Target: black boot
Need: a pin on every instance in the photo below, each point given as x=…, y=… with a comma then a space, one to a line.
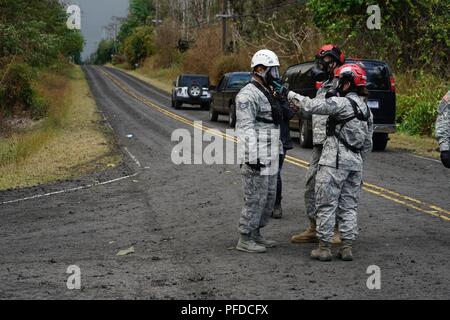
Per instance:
x=277, y=212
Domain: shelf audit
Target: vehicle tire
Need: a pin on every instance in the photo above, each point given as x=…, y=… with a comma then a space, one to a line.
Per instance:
x=195, y=91
x=380, y=141
x=305, y=135
x=232, y=118
x=213, y=115
x=173, y=104
x=178, y=105
x=205, y=106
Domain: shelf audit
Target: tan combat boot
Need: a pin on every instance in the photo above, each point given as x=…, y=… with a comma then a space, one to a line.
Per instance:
x=345, y=252
x=308, y=236
x=323, y=253
x=336, y=237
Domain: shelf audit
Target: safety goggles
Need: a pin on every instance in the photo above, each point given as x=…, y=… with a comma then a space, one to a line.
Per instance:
x=274, y=72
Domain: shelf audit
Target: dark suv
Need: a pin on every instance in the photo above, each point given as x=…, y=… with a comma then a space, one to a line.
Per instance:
x=224, y=96
x=382, y=99
x=191, y=89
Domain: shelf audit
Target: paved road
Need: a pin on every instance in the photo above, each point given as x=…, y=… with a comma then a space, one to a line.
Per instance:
x=182, y=220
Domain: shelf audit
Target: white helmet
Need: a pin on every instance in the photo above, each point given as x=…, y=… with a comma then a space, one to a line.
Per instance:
x=266, y=58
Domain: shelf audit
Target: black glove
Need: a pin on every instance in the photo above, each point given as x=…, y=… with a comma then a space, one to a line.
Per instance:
x=332, y=93
x=256, y=166
x=445, y=158
x=280, y=89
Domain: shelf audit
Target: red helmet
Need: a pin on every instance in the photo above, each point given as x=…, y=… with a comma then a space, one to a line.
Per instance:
x=352, y=72
x=333, y=51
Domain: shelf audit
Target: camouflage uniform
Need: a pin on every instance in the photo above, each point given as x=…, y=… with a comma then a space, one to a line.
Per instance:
x=443, y=124
x=319, y=136
x=255, y=123
x=339, y=177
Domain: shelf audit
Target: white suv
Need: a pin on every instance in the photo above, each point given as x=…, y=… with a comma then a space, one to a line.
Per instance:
x=191, y=89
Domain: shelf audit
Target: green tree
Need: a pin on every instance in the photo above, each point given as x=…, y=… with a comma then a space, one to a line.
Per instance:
x=33, y=35
x=105, y=50
x=139, y=44
x=141, y=12
x=414, y=34
x=37, y=31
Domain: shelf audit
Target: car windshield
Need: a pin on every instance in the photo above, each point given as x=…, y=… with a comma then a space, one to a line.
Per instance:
x=186, y=81
x=238, y=81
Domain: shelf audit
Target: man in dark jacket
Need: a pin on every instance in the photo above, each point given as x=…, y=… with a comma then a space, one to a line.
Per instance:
x=288, y=114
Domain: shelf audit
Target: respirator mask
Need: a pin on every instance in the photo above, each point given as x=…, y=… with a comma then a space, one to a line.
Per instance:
x=270, y=75
x=321, y=70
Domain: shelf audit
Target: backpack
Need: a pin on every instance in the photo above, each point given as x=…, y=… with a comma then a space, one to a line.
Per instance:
x=332, y=122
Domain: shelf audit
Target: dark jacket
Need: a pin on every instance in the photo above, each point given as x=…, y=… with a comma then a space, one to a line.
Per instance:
x=285, y=132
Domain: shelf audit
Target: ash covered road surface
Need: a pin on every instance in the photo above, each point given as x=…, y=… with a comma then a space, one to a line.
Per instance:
x=182, y=223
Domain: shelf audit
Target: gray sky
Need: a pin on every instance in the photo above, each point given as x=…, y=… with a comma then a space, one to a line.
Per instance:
x=96, y=14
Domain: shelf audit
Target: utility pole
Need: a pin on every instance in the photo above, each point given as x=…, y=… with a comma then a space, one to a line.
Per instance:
x=184, y=10
x=224, y=16
x=157, y=21
x=224, y=27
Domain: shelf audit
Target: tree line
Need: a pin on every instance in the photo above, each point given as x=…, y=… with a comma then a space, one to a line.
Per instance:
x=33, y=37
x=413, y=34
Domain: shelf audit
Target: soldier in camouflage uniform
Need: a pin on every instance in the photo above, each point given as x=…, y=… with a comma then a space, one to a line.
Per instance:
x=443, y=129
x=258, y=133
x=328, y=58
x=339, y=177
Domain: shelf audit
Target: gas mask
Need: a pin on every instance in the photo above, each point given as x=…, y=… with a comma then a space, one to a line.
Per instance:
x=270, y=75
x=321, y=70
x=340, y=87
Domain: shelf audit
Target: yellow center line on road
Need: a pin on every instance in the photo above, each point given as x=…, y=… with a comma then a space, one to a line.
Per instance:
x=396, y=197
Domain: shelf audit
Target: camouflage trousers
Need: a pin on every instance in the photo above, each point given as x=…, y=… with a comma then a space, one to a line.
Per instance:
x=337, y=196
x=310, y=190
x=259, y=199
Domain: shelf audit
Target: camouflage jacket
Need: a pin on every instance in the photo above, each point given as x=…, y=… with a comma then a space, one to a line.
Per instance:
x=443, y=123
x=319, y=121
x=355, y=132
x=255, y=129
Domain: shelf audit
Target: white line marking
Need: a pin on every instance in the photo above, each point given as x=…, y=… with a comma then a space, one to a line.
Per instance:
x=424, y=158
x=69, y=190
x=133, y=157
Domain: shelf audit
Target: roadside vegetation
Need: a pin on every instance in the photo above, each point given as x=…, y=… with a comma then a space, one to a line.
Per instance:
x=70, y=141
x=48, y=123
x=414, y=39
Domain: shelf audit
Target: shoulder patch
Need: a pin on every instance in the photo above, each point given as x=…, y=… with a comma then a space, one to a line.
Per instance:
x=242, y=101
x=243, y=104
